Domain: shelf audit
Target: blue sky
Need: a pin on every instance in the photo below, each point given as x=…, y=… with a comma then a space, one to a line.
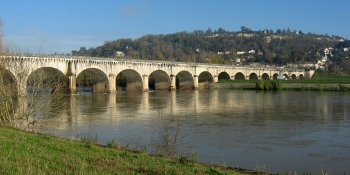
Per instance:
x=48, y=26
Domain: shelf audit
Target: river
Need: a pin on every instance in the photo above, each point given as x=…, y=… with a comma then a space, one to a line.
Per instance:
x=287, y=131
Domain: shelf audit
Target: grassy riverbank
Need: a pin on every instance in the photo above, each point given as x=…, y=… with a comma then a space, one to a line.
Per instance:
x=28, y=153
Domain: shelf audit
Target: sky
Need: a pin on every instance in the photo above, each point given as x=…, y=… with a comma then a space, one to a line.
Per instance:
x=50, y=26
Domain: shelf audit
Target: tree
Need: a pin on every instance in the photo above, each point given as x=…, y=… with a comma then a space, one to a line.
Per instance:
x=209, y=31
x=1, y=35
x=159, y=55
x=244, y=28
x=27, y=99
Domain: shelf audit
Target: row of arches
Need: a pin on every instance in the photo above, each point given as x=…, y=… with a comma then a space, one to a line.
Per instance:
x=131, y=80
x=254, y=76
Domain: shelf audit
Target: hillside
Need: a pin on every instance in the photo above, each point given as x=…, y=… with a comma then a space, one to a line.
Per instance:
x=223, y=47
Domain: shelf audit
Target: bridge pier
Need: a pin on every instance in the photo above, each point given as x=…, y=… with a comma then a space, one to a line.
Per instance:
x=172, y=82
x=145, y=87
x=195, y=81
x=72, y=84
x=112, y=83
x=215, y=78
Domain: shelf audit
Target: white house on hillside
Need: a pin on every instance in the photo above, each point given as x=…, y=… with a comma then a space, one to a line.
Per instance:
x=251, y=52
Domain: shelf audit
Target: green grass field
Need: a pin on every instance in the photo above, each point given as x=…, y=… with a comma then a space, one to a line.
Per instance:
x=28, y=153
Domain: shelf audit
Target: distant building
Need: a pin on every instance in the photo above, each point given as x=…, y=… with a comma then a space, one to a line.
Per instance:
x=240, y=52
x=326, y=51
x=251, y=52
x=221, y=53
x=324, y=59
x=119, y=54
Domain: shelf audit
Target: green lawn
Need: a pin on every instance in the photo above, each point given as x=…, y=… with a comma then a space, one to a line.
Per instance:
x=28, y=153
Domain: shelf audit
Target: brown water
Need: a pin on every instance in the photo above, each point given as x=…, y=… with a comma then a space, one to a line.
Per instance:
x=269, y=131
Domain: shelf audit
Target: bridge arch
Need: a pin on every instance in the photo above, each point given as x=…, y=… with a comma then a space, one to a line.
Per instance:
x=239, y=76
x=286, y=75
x=204, y=79
x=275, y=76
x=159, y=80
x=93, y=79
x=129, y=80
x=253, y=76
x=184, y=80
x=8, y=87
x=301, y=76
x=47, y=79
x=294, y=76
x=265, y=76
x=224, y=76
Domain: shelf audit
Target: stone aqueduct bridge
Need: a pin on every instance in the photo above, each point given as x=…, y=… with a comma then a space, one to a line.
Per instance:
x=139, y=75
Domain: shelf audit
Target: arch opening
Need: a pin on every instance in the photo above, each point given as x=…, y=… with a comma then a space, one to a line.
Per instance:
x=92, y=80
x=184, y=81
x=159, y=80
x=301, y=76
x=239, y=76
x=204, y=80
x=294, y=76
x=47, y=80
x=224, y=76
x=253, y=76
x=129, y=80
x=265, y=76
x=285, y=75
x=275, y=76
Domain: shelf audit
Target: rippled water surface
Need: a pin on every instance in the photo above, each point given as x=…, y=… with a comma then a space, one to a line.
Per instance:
x=269, y=131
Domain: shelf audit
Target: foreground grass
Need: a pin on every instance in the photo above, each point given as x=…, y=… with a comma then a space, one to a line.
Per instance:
x=28, y=153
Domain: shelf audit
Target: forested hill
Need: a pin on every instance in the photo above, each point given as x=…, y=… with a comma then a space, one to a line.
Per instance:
x=224, y=47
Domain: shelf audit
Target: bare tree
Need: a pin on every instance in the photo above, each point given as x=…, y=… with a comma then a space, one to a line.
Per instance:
x=170, y=136
x=8, y=97
x=1, y=35
x=27, y=99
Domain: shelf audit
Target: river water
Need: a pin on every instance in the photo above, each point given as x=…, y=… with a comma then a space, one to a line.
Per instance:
x=288, y=131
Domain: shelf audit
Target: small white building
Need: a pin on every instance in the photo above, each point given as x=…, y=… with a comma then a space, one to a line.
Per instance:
x=251, y=52
x=119, y=54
